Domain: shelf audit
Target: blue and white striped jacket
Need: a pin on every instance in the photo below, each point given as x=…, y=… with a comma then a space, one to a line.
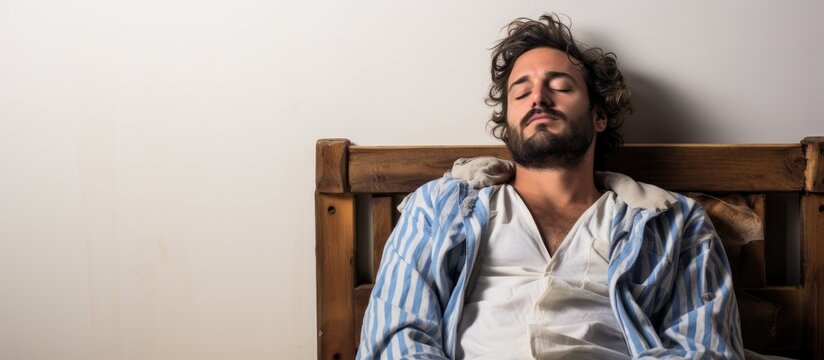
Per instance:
x=670, y=284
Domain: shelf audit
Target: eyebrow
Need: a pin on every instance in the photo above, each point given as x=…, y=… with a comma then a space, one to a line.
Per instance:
x=549, y=76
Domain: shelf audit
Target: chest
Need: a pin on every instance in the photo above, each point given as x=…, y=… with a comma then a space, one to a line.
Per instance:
x=522, y=300
x=514, y=225
x=554, y=225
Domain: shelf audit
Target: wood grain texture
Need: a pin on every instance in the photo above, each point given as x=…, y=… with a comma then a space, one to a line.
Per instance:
x=679, y=167
x=812, y=218
x=395, y=169
x=381, y=228
x=335, y=253
x=788, y=336
x=715, y=168
x=331, y=165
x=361, y=296
x=397, y=199
x=814, y=174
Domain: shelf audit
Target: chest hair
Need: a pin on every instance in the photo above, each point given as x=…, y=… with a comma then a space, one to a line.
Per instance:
x=554, y=224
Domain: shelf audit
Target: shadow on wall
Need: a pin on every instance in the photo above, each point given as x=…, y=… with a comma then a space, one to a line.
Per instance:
x=661, y=113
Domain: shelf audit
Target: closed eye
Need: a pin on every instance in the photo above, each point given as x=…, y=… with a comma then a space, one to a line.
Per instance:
x=523, y=96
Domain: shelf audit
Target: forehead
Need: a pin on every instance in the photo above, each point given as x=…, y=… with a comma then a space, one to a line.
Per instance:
x=539, y=61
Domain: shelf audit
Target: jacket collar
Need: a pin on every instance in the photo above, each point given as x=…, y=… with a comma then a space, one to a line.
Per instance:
x=635, y=194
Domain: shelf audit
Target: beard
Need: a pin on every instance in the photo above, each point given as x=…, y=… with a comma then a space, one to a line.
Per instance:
x=545, y=150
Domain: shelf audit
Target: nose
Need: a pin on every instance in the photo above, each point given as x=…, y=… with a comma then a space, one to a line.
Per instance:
x=541, y=97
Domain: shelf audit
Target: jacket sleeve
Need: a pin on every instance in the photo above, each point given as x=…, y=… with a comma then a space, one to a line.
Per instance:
x=700, y=320
x=404, y=319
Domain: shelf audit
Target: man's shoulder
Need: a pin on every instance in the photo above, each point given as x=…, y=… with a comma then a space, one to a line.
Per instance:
x=435, y=193
x=645, y=196
x=448, y=198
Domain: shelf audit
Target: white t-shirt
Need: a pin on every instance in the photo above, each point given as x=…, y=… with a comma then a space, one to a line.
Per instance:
x=524, y=304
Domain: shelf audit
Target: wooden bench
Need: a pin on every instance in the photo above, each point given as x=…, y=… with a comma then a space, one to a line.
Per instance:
x=359, y=187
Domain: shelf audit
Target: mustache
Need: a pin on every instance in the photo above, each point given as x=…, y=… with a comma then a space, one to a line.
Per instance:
x=540, y=110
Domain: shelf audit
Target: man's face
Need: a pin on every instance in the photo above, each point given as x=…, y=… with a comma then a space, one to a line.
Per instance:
x=549, y=120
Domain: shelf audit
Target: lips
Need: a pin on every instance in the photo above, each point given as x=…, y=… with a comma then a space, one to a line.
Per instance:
x=541, y=116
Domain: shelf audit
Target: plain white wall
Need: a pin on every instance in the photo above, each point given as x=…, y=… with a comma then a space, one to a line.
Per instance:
x=157, y=157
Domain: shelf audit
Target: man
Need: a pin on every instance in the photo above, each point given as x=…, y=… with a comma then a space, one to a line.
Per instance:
x=561, y=261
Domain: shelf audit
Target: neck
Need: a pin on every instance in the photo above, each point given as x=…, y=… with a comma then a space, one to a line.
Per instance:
x=557, y=187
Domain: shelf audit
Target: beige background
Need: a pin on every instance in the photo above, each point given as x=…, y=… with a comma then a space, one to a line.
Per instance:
x=157, y=156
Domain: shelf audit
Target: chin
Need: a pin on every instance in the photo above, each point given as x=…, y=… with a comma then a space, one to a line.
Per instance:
x=545, y=134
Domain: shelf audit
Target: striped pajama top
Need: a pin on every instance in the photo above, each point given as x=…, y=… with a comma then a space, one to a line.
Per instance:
x=670, y=285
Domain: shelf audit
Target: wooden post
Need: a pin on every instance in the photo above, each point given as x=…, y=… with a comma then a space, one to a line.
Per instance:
x=335, y=257
x=381, y=228
x=812, y=217
x=334, y=251
x=814, y=173
x=331, y=165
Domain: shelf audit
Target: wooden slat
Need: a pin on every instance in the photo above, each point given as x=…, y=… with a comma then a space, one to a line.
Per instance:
x=711, y=168
x=681, y=167
x=331, y=165
x=788, y=334
x=361, y=297
x=812, y=218
x=381, y=228
x=397, y=199
x=361, y=294
x=393, y=169
x=814, y=147
x=335, y=252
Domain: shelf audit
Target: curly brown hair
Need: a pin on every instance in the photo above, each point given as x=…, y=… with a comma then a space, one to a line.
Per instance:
x=605, y=84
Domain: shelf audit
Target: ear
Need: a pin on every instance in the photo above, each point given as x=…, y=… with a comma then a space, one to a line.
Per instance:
x=599, y=118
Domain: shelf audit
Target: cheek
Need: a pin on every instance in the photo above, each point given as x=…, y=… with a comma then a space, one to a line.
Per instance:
x=514, y=113
x=510, y=116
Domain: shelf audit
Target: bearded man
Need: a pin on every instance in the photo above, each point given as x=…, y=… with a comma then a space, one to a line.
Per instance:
x=558, y=260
